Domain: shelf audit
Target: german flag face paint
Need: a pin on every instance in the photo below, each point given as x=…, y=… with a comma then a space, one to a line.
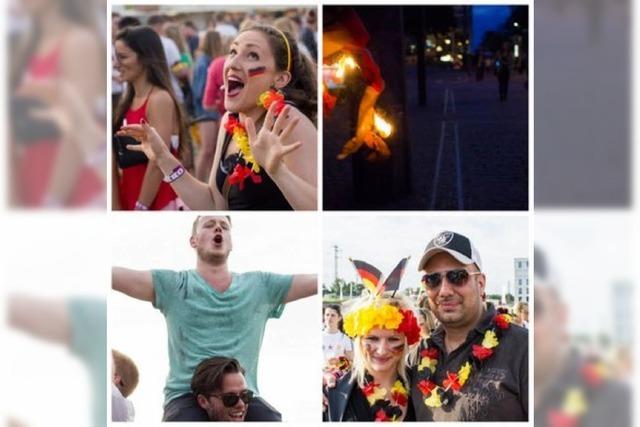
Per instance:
x=257, y=71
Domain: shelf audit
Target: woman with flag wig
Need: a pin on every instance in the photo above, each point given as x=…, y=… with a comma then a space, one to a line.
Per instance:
x=385, y=329
x=267, y=145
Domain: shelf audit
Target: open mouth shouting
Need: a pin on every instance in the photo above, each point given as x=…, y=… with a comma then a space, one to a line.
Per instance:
x=217, y=239
x=234, y=86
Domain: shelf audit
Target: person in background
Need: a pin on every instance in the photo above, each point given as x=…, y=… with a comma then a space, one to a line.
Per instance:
x=124, y=381
x=521, y=311
x=171, y=54
x=336, y=346
x=208, y=120
x=288, y=25
x=309, y=34
x=190, y=34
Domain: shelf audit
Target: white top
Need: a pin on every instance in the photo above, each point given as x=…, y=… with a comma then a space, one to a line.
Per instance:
x=172, y=54
x=335, y=345
x=226, y=30
x=121, y=408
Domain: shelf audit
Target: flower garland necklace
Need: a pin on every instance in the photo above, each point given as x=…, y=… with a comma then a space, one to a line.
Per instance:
x=386, y=409
x=436, y=395
x=575, y=403
x=238, y=133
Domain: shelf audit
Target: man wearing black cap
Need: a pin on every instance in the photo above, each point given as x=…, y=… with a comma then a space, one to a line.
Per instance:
x=474, y=367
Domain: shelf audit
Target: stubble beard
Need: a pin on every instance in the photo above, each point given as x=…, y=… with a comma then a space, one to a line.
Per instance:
x=212, y=259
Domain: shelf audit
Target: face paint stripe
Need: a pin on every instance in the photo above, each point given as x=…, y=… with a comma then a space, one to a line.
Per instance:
x=257, y=71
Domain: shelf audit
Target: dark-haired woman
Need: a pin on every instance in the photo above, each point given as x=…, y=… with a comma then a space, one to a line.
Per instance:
x=267, y=147
x=149, y=99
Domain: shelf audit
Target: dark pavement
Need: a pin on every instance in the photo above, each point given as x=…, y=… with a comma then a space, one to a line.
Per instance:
x=470, y=154
x=474, y=154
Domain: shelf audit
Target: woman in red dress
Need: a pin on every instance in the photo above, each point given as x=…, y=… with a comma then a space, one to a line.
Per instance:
x=53, y=165
x=149, y=98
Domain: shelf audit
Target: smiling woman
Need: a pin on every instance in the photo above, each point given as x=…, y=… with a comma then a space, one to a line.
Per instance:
x=376, y=387
x=149, y=98
x=267, y=147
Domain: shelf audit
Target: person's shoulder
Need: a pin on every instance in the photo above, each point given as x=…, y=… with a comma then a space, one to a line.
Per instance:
x=304, y=126
x=80, y=40
x=160, y=98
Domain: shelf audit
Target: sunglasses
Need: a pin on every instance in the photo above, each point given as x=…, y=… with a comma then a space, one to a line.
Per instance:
x=457, y=277
x=231, y=399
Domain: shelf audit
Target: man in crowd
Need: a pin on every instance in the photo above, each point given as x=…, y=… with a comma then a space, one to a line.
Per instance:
x=220, y=388
x=213, y=311
x=474, y=366
x=171, y=53
x=569, y=388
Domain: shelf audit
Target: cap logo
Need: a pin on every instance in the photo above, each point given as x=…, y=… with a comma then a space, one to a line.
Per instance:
x=443, y=239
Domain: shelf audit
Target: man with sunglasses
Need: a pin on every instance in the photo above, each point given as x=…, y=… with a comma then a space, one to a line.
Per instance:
x=211, y=310
x=461, y=376
x=221, y=390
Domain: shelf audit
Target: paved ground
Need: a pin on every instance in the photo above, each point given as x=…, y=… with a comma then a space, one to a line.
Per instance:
x=467, y=149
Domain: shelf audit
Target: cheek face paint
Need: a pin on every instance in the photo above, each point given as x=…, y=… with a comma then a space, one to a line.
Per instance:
x=397, y=348
x=257, y=71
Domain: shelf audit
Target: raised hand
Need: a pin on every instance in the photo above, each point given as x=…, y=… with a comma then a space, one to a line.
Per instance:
x=267, y=145
x=151, y=143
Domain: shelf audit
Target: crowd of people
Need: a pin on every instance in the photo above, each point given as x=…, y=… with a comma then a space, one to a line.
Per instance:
x=219, y=117
x=389, y=358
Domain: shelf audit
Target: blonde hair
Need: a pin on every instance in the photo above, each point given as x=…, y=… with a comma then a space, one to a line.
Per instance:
x=359, y=366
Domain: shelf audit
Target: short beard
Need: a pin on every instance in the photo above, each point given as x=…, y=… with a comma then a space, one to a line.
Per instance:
x=211, y=259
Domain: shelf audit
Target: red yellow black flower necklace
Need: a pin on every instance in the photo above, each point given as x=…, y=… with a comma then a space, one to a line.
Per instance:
x=436, y=395
x=238, y=133
x=575, y=402
x=386, y=409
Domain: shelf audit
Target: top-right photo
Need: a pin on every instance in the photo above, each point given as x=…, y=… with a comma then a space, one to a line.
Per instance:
x=425, y=107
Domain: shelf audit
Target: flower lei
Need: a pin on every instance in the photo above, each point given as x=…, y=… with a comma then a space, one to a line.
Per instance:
x=385, y=409
x=575, y=402
x=385, y=316
x=233, y=127
x=438, y=395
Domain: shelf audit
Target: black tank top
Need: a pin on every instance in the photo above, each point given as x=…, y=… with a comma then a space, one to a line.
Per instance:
x=263, y=196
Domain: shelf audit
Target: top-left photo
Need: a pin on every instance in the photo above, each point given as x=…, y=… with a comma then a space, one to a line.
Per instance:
x=214, y=107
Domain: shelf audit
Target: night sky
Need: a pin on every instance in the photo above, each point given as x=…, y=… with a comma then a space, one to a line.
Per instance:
x=487, y=18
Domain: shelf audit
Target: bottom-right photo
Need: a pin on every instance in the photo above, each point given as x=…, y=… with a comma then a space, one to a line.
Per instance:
x=425, y=318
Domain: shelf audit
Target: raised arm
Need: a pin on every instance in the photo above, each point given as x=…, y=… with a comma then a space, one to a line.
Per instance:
x=134, y=283
x=195, y=194
x=43, y=318
x=303, y=285
x=287, y=148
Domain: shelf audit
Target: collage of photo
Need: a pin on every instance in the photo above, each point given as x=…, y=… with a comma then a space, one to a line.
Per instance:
x=400, y=291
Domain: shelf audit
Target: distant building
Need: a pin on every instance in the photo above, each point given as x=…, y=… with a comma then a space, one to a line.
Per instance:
x=521, y=279
x=623, y=327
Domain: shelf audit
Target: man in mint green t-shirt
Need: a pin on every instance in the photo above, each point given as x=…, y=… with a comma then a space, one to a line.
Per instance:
x=211, y=311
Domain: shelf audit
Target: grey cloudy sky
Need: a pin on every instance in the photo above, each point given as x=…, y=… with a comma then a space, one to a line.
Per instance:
x=384, y=240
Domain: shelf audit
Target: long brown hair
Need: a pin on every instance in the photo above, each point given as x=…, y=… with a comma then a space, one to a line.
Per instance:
x=148, y=46
x=302, y=89
x=211, y=44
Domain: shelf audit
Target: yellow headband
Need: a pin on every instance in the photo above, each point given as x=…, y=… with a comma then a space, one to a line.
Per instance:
x=286, y=42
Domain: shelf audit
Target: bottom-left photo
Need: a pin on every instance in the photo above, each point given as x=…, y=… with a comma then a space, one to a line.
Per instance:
x=188, y=311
